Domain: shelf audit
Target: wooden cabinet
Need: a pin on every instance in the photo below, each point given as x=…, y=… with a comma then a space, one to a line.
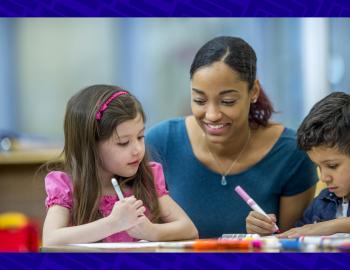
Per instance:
x=21, y=189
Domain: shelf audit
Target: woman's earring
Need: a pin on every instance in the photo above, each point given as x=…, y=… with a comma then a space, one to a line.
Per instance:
x=254, y=100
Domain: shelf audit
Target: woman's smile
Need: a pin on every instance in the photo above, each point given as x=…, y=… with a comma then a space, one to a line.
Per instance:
x=216, y=129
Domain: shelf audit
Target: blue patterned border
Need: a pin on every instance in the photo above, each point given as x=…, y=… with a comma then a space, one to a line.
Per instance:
x=153, y=261
x=174, y=8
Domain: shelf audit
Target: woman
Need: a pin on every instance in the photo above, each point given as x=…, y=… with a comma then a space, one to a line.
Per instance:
x=229, y=141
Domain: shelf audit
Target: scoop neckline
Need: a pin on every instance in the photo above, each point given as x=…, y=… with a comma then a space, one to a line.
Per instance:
x=203, y=166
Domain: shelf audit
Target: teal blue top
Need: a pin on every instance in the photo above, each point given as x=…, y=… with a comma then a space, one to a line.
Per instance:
x=216, y=209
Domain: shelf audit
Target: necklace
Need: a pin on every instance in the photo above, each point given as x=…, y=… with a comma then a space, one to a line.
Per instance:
x=224, y=173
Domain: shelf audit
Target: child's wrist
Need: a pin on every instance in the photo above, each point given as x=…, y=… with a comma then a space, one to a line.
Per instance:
x=337, y=226
x=156, y=232
x=111, y=225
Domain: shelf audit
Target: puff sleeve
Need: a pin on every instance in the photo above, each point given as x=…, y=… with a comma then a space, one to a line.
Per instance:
x=58, y=186
x=159, y=179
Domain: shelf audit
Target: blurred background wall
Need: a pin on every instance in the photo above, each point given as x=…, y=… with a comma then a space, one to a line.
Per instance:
x=45, y=61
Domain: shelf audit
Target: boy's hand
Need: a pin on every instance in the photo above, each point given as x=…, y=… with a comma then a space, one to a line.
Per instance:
x=260, y=224
x=126, y=213
x=321, y=228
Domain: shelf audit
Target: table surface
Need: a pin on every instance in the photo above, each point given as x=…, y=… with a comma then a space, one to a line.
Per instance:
x=174, y=247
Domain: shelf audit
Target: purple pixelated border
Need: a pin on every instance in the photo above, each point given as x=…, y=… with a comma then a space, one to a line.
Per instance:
x=174, y=8
x=172, y=261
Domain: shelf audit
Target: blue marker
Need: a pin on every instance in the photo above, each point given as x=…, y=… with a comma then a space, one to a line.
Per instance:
x=290, y=244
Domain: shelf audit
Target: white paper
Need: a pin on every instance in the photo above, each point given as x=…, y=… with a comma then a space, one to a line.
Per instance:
x=136, y=245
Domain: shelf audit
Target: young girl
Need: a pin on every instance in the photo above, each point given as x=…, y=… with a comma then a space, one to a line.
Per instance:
x=104, y=138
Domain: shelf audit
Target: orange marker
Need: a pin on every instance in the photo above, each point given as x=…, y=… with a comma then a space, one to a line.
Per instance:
x=234, y=244
x=205, y=244
x=222, y=244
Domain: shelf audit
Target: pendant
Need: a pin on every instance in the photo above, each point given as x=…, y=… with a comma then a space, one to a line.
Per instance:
x=223, y=181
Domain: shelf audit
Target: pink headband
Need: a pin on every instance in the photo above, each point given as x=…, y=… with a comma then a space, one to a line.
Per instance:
x=104, y=105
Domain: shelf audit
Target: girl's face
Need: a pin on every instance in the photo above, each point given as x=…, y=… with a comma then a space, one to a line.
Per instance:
x=123, y=152
x=335, y=169
x=221, y=101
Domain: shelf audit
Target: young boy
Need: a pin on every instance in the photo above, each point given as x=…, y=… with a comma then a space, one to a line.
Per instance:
x=325, y=136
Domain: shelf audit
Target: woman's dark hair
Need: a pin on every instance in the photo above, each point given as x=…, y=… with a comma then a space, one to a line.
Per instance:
x=327, y=124
x=240, y=56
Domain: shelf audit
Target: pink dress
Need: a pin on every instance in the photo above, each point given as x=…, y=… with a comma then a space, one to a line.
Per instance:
x=59, y=189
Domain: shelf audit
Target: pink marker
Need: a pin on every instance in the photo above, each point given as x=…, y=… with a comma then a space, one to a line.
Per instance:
x=252, y=203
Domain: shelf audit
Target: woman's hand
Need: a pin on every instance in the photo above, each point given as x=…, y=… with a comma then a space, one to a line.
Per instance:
x=260, y=224
x=126, y=213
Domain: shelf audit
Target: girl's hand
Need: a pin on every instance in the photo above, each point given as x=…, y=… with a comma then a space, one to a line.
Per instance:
x=126, y=213
x=260, y=224
x=145, y=230
x=310, y=229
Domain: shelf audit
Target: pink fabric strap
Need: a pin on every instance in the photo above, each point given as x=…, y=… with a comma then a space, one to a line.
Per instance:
x=104, y=105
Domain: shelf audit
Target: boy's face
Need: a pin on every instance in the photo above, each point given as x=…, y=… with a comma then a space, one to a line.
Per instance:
x=334, y=167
